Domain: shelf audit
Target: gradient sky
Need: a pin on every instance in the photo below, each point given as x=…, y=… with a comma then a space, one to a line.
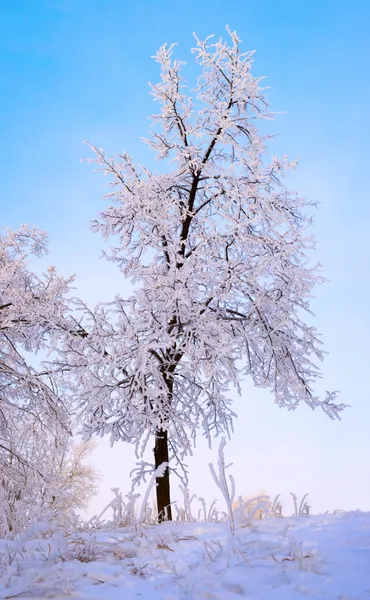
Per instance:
x=74, y=70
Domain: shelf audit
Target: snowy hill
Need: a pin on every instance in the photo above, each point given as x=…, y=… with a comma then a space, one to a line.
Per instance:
x=324, y=557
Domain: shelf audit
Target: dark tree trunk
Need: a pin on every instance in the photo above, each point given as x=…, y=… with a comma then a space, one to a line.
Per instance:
x=163, y=483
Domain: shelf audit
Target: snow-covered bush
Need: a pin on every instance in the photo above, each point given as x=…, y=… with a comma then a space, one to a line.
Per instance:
x=253, y=507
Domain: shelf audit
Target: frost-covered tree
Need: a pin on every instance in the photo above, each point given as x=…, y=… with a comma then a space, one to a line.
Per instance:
x=32, y=415
x=43, y=475
x=216, y=246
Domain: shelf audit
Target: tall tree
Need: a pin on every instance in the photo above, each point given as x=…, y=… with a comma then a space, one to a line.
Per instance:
x=217, y=249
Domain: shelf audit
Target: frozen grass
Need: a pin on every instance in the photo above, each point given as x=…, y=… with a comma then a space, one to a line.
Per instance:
x=248, y=551
x=326, y=556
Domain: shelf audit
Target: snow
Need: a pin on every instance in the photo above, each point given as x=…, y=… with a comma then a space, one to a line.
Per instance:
x=324, y=557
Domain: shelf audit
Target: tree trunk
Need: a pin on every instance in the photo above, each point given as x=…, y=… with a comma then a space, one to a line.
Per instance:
x=163, y=483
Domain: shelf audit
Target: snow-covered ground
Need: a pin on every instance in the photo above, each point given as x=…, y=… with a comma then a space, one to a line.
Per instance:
x=325, y=556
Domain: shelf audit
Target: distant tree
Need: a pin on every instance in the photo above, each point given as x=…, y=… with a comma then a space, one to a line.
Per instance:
x=75, y=480
x=217, y=249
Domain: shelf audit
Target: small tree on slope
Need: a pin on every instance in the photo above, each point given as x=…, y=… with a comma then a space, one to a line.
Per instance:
x=217, y=249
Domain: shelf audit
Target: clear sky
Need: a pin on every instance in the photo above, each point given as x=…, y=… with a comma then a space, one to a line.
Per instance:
x=74, y=70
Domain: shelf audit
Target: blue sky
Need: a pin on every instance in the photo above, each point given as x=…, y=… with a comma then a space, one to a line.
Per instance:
x=78, y=70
